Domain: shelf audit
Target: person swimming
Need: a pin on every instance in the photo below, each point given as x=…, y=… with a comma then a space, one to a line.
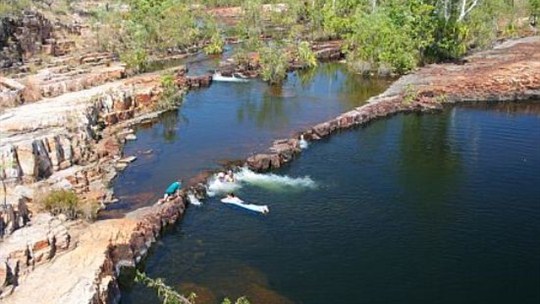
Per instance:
x=229, y=177
x=221, y=177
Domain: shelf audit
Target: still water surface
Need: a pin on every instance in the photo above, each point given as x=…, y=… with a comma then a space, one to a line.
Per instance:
x=438, y=208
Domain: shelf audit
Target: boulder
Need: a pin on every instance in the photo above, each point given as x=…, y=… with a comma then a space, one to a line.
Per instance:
x=322, y=129
x=27, y=161
x=259, y=162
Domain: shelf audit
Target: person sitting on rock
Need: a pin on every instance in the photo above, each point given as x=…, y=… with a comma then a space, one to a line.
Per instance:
x=172, y=190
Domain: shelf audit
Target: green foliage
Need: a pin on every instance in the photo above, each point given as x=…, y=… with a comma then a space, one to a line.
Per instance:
x=13, y=7
x=67, y=203
x=304, y=55
x=250, y=27
x=135, y=58
x=170, y=296
x=241, y=57
x=393, y=35
x=403, y=34
x=241, y=300
x=215, y=46
x=274, y=64
x=166, y=293
x=154, y=27
x=170, y=98
x=534, y=7
x=450, y=41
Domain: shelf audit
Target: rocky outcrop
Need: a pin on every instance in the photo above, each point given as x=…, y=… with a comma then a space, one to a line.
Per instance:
x=22, y=37
x=13, y=215
x=28, y=248
x=61, y=80
x=75, y=141
x=329, y=50
x=88, y=272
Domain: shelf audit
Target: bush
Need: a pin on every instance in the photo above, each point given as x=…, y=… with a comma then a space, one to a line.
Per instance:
x=274, y=64
x=170, y=97
x=215, y=46
x=67, y=203
x=304, y=55
x=62, y=202
x=135, y=59
x=169, y=295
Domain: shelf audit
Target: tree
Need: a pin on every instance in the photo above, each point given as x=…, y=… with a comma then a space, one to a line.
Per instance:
x=250, y=27
x=394, y=36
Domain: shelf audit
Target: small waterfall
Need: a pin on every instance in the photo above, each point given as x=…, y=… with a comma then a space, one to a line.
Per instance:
x=303, y=143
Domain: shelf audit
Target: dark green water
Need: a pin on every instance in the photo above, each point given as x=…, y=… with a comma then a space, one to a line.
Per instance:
x=230, y=121
x=438, y=208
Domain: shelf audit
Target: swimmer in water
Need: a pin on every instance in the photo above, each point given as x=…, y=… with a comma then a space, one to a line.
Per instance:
x=221, y=177
x=229, y=177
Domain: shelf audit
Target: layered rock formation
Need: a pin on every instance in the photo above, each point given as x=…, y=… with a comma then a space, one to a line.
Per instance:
x=70, y=142
x=31, y=33
x=28, y=248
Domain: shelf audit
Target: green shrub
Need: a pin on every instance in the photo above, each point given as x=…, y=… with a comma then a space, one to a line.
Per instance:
x=215, y=46
x=62, y=202
x=274, y=64
x=170, y=98
x=304, y=55
x=169, y=295
x=67, y=203
x=135, y=59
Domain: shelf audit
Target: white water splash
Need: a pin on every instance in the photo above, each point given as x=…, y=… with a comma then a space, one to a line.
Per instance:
x=219, y=77
x=193, y=200
x=273, y=181
x=303, y=143
x=216, y=187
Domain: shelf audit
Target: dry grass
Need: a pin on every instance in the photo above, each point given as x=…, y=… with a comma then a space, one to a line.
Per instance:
x=32, y=91
x=65, y=202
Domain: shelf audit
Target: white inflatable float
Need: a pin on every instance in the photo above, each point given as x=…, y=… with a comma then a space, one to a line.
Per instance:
x=240, y=203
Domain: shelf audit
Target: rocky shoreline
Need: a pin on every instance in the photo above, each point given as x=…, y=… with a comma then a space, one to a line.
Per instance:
x=87, y=271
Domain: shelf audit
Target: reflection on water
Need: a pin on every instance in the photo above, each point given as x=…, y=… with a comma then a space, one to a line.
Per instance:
x=170, y=122
x=414, y=209
x=230, y=121
x=439, y=167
